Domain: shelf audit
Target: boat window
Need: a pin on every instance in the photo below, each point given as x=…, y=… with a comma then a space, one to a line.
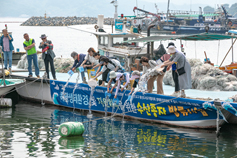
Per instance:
x=118, y=41
x=103, y=40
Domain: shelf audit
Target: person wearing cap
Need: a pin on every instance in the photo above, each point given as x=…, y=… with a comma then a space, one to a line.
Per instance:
x=78, y=59
x=149, y=64
x=136, y=77
x=47, y=55
x=108, y=65
x=175, y=74
x=120, y=78
x=183, y=69
x=29, y=46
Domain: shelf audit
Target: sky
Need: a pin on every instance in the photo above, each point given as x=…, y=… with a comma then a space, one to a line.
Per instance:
x=181, y=2
x=28, y=8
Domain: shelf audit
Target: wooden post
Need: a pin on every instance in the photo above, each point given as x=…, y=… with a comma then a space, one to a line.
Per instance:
x=3, y=71
x=228, y=52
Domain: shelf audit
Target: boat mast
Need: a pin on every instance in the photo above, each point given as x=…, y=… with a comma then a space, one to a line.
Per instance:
x=116, y=6
x=167, y=11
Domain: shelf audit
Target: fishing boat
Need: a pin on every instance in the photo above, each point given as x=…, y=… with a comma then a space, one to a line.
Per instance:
x=191, y=113
x=9, y=85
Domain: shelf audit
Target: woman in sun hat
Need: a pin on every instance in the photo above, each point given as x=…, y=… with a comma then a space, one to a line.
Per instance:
x=136, y=77
x=183, y=69
x=119, y=78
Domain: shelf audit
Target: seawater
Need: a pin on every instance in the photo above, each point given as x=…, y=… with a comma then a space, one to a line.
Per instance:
x=104, y=138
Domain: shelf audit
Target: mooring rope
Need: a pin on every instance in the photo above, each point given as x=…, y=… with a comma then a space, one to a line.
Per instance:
x=21, y=86
x=110, y=116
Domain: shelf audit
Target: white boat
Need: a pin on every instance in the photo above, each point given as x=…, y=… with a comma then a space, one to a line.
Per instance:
x=192, y=113
x=10, y=84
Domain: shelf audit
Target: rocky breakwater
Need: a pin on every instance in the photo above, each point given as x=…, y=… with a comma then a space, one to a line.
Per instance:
x=63, y=21
x=207, y=77
x=62, y=65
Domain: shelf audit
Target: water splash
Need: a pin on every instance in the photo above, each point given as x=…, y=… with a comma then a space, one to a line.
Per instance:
x=92, y=83
x=142, y=84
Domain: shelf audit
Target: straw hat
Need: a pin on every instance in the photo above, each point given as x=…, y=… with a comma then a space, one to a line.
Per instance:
x=171, y=49
x=112, y=74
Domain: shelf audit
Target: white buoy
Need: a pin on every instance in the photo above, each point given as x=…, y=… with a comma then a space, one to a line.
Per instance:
x=5, y=102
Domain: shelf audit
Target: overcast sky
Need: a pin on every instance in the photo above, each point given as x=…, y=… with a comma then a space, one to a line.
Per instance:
x=181, y=2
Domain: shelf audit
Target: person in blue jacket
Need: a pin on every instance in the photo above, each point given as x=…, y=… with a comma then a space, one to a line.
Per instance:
x=79, y=58
x=7, y=48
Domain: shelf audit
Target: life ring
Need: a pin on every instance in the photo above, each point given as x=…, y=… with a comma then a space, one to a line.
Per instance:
x=96, y=27
x=230, y=23
x=135, y=21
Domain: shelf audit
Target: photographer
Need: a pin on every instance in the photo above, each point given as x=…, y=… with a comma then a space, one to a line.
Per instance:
x=7, y=48
x=47, y=55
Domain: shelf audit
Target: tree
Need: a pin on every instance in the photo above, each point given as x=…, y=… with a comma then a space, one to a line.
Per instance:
x=208, y=9
x=233, y=9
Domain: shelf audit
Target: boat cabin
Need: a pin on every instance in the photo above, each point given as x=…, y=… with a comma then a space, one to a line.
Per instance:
x=111, y=42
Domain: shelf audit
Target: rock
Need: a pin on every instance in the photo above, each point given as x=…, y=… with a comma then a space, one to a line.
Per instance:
x=63, y=21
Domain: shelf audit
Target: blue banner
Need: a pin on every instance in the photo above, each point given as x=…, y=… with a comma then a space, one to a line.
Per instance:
x=145, y=106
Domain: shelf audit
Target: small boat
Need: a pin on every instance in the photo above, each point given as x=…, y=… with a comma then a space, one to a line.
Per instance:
x=10, y=84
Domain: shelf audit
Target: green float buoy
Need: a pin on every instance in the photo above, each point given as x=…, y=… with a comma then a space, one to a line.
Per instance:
x=73, y=142
x=71, y=129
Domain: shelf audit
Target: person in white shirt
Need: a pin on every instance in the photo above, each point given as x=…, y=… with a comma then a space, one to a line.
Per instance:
x=120, y=78
x=108, y=65
x=89, y=61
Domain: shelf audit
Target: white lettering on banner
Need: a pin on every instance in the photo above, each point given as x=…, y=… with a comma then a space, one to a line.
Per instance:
x=93, y=101
x=99, y=90
x=85, y=99
x=79, y=99
x=130, y=106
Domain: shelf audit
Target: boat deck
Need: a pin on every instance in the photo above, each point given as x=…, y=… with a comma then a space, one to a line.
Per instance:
x=168, y=90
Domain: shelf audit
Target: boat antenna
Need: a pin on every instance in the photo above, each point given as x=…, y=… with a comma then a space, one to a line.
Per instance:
x=115, y=3
x=167, y=15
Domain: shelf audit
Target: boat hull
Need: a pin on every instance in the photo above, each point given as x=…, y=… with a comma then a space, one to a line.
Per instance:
x=7, y=88
x=176, y=112
x=193, y=29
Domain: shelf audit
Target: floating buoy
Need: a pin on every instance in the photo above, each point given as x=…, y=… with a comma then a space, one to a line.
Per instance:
x=71, y=129
x=173, y=32
x=71, y=142
x=5, y=103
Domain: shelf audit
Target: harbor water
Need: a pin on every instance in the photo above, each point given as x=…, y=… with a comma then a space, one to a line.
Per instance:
x=105, y=137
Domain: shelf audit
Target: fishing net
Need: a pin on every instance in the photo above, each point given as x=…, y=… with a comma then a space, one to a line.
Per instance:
x=23, y=63
x=206, y=77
